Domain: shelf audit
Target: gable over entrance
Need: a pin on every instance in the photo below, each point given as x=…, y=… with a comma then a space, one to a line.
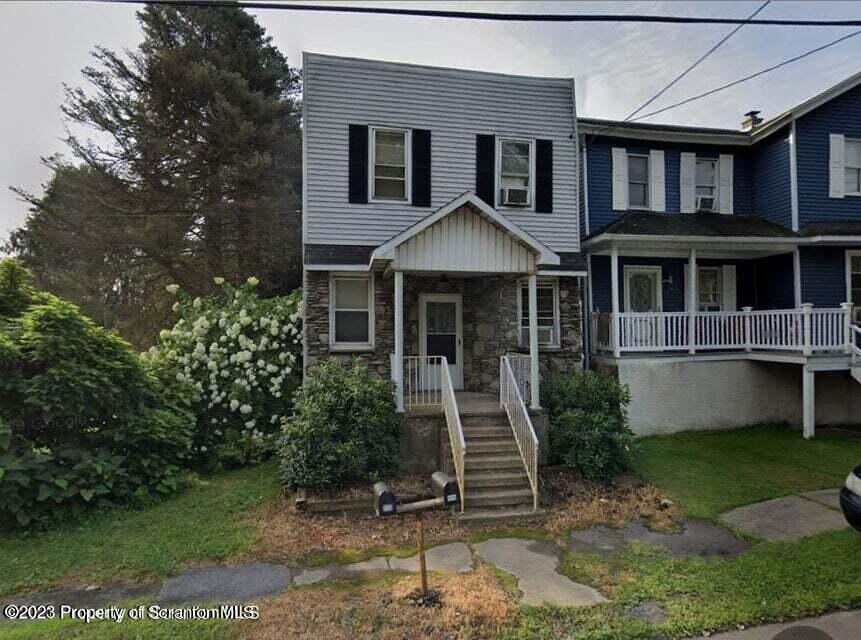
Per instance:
x=465, y=235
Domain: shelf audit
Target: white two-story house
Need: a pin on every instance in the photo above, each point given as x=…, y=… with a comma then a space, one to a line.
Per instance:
x=441, y=238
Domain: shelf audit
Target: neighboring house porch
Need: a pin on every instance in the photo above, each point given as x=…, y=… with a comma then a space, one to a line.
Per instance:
x=742, y=304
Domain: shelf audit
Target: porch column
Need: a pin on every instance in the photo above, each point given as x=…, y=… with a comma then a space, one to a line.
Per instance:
x=692, y=301
x=808, y=394
x=535, y=402
x=399, y=339
x=614, y=305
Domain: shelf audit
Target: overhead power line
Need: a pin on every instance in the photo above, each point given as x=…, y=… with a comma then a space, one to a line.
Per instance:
x=494, y=16
x=696, y=63
x=749, y=77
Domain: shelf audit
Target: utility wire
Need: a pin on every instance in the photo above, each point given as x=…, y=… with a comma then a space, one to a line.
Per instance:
x=488, y=15
x=697, y=62
x=749, y=77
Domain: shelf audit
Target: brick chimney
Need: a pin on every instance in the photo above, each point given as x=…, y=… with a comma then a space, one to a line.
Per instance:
x=751, y=121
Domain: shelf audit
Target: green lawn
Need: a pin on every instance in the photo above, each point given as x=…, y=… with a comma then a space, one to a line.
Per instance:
x=772, y=581
x=209, y=521
x=710, y=472
x=127, y=630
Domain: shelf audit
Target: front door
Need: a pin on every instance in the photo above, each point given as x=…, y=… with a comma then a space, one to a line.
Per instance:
x=643, y=295
x=441, y=332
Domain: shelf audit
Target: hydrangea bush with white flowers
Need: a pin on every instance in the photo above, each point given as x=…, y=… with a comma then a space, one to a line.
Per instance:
x=237, y=358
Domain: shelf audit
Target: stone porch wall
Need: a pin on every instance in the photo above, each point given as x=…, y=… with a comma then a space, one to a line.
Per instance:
x=489, y=323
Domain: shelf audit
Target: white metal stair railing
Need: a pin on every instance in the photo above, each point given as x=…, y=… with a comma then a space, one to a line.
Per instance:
x=427, y=383
x=511, y=400
x=455, y=431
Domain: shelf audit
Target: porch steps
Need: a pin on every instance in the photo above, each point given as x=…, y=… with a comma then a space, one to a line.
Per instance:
x=497, y=487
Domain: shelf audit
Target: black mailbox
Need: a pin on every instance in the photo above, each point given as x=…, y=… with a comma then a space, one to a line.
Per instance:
x=445, y=487
x=384, y=500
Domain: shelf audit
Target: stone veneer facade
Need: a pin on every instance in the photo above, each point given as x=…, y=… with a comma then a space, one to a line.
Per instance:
x=489, y=323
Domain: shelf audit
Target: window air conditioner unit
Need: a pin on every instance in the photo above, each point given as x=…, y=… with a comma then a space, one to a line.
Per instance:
x=706, y=203
x=545, y=336
x=517, y=196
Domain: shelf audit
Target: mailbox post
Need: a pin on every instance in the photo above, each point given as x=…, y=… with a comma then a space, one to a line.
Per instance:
x=447, y=494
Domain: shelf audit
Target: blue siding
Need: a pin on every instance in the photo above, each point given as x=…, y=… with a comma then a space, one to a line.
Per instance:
x=823, y=276
x=775, y=282
x=673, y=276
x=600, y=175
x=840, y=115
x=772, y=194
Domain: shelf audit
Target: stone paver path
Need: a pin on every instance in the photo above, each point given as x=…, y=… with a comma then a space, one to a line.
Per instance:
x=697, y=538
x=788, y=518
x=844, y=625
x=535, y=565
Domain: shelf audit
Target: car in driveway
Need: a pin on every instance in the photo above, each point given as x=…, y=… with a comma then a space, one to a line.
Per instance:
x=850, y=498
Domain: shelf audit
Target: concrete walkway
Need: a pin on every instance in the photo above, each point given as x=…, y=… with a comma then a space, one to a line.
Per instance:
x=789, y=518
x=845, y=625
x=534, y=564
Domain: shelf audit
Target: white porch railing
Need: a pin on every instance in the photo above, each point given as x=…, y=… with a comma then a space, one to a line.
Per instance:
x=856, y=345
x=520, y=366
x=427, y=382
x=805, y=330
x=511, y=399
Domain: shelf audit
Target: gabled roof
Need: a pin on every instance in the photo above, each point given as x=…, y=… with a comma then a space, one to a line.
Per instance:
x=712, y=135
x=545, y=256
x=700, y=225
x=770, y=126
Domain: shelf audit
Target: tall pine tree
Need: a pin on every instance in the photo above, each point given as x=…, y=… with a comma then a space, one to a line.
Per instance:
x=191, y=169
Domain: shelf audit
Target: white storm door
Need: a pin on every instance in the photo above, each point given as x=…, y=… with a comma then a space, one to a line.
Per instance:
x=643, y=296
x=441, y=334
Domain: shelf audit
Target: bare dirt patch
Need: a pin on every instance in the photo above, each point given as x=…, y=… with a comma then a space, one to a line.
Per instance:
x=473, y=605
x=291, y=536
x=573, y=503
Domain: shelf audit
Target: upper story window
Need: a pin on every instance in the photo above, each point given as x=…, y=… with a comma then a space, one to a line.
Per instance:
x=706, y=187
x=516, y=172
x=390, y=164
x=548, y=313
x=351, y=317
x=638, y=181
x=852, y=167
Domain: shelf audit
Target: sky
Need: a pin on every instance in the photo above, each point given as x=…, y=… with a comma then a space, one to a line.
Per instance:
x=617, y=66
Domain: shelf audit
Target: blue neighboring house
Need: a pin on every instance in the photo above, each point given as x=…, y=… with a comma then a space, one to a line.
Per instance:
x=724, y=265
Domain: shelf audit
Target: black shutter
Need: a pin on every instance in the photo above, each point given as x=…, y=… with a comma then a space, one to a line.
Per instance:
x=421, y=185
x=544, y=176
x=485, y=168
x=358, y=180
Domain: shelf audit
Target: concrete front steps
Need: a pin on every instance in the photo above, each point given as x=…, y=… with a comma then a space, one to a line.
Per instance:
x=497, y=487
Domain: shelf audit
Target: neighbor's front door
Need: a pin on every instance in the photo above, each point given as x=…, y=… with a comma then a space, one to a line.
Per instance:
x=441, y=333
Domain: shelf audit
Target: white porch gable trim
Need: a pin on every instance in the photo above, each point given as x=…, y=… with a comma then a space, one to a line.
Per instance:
x=466, y=235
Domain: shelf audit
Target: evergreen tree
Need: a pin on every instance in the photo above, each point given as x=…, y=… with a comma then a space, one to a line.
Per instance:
x=193, y=171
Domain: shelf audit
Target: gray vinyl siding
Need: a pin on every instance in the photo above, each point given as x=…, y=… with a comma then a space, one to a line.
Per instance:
x=455, y=106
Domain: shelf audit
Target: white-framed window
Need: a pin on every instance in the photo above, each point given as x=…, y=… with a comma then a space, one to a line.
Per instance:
x=709, y=288
x=706, y=185
x=389, y=161
x=515, y=173
x=853, y=278
x=548, y=312
x=852, y=167
x=638, y=181
x=351, y=312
